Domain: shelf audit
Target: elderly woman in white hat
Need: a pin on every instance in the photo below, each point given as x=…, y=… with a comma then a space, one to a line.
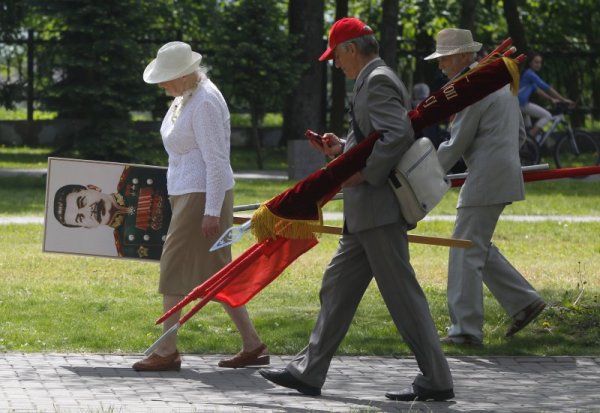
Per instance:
x=196, y=136
x=486, y=135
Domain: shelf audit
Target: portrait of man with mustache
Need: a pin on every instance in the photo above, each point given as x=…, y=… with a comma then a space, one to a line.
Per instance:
x=139, y=211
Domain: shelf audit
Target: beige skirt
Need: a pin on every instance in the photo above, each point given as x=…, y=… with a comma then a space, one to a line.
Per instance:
x=186, y=261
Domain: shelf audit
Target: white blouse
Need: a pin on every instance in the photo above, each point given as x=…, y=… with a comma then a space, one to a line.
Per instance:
x=198, y=145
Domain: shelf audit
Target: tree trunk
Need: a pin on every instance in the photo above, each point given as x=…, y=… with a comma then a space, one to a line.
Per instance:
x=337, y=121
x=304, y=106
x=255, y=120
x=467, y=14
x=592, y=62
x=389, y=33
x=515, y=28
x=425, y=70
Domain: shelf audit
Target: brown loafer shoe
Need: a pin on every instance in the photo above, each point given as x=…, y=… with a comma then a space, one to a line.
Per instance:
x=247, y=358
x=154, y=362
x=525, y=316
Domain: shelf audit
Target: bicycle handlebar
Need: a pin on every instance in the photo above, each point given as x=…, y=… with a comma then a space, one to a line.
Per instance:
x=562, y=107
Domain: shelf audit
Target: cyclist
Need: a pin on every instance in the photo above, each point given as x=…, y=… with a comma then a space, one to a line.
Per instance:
x=531, y=82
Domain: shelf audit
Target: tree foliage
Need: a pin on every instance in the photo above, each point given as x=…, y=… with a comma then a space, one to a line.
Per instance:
x=12, y=15
x=97, y=69
x=255, y=59
x=96, y=72
x=89, y=55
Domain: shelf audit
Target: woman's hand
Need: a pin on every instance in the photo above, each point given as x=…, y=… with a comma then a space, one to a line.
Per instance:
x=210, y=226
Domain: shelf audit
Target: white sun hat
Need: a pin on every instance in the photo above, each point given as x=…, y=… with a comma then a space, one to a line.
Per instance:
x=454, y=41
x=173, y=60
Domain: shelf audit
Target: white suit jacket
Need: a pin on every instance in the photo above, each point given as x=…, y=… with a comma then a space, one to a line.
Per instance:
x=487, y=135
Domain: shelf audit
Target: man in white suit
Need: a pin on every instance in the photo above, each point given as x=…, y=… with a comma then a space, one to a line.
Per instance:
x=374, y=243
x=487, y=136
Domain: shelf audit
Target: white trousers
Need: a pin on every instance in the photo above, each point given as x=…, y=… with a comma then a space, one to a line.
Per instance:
x=536, y=111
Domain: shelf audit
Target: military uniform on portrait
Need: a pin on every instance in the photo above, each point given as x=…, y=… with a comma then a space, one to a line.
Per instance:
x=142, y=231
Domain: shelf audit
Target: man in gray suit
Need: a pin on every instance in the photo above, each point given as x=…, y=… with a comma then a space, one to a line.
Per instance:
x=374, y=243
x=486, y=135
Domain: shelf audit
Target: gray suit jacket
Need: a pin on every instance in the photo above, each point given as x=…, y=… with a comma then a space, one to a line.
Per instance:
x=379, y=103
x=487, y=134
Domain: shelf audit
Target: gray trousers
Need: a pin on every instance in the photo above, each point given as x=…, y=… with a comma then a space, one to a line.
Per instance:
x=382, y=253
x=469, y=268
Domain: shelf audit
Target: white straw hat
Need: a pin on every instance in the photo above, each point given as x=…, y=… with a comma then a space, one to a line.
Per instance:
x=454, y=41
x=173, y=60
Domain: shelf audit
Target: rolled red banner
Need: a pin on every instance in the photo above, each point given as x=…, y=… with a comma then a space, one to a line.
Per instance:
x=531, y=176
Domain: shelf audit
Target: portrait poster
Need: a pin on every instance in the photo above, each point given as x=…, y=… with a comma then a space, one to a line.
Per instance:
x=106, y=209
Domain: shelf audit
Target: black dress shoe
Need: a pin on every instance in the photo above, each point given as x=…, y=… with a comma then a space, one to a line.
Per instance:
x=413, y=393
x=284, y=378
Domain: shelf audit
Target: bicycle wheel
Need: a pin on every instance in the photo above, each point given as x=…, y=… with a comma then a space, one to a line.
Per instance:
x=580, y=150
x=530, y=152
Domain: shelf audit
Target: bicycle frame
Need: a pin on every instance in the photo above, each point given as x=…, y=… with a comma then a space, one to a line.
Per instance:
x=571, y=147
x=556, y=120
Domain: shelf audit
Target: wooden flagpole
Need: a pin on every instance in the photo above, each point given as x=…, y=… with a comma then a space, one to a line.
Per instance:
x=418, y=239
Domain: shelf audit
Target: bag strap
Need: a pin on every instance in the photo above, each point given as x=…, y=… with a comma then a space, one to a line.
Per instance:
x=358, y=135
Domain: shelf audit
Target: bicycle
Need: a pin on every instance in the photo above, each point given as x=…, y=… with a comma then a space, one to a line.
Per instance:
x=573, y=148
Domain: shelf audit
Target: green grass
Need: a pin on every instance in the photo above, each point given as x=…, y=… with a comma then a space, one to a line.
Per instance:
x=22, y=195
x=242, y=159
x=559, y=197
x=237, y=119
x=23, y=157
x=21, y=114
x=243, y=119
x=54, y=302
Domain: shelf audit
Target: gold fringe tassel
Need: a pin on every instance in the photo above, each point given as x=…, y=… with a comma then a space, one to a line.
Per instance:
x=267, y=225
x=513, y=69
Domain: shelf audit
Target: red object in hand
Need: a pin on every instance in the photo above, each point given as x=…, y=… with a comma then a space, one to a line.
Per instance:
x=314, y=136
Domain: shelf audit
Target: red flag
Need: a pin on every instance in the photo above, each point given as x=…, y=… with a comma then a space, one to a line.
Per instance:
x=531, y=176
x=269, y=260
x=244, y=277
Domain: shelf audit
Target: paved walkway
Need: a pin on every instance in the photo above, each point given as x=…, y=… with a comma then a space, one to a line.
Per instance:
x=51, y=382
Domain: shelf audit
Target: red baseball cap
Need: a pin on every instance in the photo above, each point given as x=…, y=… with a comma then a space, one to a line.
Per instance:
x=343, y=30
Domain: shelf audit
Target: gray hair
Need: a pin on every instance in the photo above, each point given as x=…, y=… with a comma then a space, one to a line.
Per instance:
x=472, y=55
x=201, y=73
x=366, y=45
